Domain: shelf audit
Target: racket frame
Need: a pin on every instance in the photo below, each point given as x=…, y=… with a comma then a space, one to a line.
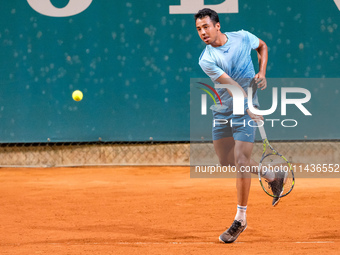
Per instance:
x=264, y=155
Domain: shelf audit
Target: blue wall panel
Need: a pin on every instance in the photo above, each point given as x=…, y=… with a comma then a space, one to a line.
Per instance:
x=134, y=61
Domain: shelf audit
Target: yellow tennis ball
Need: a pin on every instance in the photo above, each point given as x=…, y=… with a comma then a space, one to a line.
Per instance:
x=77, y=95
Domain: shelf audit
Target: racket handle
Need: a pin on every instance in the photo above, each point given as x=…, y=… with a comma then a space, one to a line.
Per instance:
x=262, y=131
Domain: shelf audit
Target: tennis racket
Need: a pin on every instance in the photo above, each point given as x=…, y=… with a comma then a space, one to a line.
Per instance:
x=275, y=165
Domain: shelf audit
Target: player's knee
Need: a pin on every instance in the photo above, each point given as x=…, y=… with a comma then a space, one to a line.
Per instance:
x=242, y=162
x=226, y=162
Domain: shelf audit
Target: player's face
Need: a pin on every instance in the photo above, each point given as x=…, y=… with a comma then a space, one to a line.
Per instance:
x=207, y=30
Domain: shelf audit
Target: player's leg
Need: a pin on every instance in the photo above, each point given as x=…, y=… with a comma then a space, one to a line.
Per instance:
x=242, y=154
x=223, y=140
x=224, y=149
x=244, y=138
x=224, y=144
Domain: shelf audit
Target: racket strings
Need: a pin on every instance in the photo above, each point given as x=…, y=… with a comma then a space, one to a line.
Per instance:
x=280, y=171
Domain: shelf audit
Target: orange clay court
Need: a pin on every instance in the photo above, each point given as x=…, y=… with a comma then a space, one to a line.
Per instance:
x=158, y=210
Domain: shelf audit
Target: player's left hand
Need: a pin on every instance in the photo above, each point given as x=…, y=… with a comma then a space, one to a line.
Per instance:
x=261, y=81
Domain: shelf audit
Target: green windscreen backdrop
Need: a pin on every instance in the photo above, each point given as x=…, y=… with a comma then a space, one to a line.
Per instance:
x=134, y=61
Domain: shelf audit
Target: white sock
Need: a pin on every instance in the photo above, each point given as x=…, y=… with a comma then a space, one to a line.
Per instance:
x=269, y=175
x=241, y=214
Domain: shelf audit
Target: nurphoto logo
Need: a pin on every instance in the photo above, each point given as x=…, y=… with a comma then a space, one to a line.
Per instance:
x=239, y=102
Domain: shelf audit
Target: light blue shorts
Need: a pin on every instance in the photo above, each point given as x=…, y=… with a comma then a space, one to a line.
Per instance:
x=241, y=127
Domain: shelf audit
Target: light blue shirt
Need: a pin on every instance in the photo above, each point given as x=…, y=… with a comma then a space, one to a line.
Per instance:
x=234, y=59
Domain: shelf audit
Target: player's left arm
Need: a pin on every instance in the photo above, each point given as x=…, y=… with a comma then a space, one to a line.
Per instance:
x=262, y=55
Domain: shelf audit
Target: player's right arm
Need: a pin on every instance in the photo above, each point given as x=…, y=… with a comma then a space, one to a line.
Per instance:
x=226, y=79
x=218, y=75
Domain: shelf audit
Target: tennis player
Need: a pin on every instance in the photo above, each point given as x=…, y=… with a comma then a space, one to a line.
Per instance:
x=227, y=60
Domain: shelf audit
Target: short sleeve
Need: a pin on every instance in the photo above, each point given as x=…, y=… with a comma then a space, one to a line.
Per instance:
x=254, y=41
x=211, y=69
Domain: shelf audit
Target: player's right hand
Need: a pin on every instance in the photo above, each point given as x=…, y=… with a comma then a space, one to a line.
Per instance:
x=254, y=117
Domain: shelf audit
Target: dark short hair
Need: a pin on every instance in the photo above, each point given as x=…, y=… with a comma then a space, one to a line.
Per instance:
x=207, y=12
